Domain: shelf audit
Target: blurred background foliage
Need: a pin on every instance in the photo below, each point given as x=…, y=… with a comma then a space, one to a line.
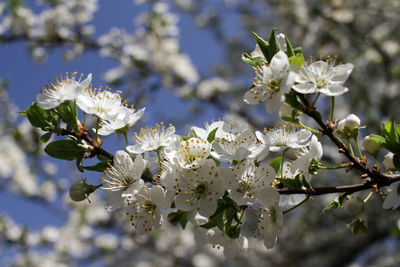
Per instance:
x=160, y=64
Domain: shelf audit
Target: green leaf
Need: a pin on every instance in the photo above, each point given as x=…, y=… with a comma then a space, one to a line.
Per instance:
x=289, y=48
x=304, y=182
x=79, y=162
x=102, y=157
x=274, y=46
x=185, y=138
x=99, y=167
x=45, y=137
x=396, y=161
x=211, y=135
x=263, y=46
x=194, y=134
x=67, y=114
x=64, y=149
x=292, y=100
x=335, y=203
x=296, y=60
x=36, y=116
x=223, y=216
x=178, y=217
x=252, y=61
x=276, y=164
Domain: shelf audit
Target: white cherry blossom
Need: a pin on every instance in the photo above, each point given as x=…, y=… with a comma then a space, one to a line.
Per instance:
x=285, y=137
x=65, y=88
x=151, y=139
x=144, y=208
x=203, y=133
x=123, y=176
x=233, y=247
x=193, y=153
x=103, y=104
x=271, y=83
x=200, y=189
x=126, y=117
x=270, y=224
x=323, y=77
x=314, y=152
x=249, y=184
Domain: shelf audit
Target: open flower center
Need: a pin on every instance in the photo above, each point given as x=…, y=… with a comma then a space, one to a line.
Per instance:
x=200, y=190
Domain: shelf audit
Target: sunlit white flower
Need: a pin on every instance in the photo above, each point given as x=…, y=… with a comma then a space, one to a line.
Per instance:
x=65, y=88
x=193, y=153
x=323, y=77
x=392, y=200
x=233, y=247
x=270, y=224
x=127, y=117
x=244, y=145
x=285, y=137
x=200, y=189
x=151, y=139
x=124, y=175
x=271, y=83
x=103, y=104
x=203, y=133
x=307, y=155
x=144, y=208
x=247, y=183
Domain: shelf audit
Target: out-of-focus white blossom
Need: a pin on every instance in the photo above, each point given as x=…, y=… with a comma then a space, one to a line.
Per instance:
x=323, y=77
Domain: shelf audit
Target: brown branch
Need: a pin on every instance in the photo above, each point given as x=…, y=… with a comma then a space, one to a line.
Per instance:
x=348, y=189
x=376, y=180
x=97, y=150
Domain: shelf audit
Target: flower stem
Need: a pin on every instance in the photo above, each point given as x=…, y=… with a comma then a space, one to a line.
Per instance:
x=332, y=168
x=97, y=131
x=283, y=160
x=358, y=148
x=369, y=196
x=308, y=128
x=333, y=107
x=350, y=147
x=315, y=100
x=126, y=139
x=295, y=206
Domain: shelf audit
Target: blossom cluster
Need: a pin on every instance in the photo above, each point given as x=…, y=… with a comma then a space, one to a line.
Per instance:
x=218, y=177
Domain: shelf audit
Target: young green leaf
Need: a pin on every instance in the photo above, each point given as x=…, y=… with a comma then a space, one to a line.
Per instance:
x=99, y=167
x=263, y=46
x=45, y=137
x=211, y=135
x=274, y=46
x=289, y=48
x=276, y=164
x=64, y=149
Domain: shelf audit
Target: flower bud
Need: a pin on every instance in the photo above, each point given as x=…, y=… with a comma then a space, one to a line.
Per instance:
x=370, y=146
x=354, y=206
x=348, y=127
x=388, y=161
x=77, y=191
x=81, y=190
